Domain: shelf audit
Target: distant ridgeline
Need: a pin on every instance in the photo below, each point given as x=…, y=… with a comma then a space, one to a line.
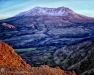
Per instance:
x=46, y=27
x=57, y=36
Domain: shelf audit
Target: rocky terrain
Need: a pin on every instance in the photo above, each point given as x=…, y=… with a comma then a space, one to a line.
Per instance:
x=78, y=57
x=56, y=36
x=12, y=64
x=42, y=26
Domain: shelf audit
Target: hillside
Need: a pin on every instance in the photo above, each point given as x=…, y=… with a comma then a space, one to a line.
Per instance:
x=50, y=26
x=12, y=64
x=56, y=36
x=78, y=57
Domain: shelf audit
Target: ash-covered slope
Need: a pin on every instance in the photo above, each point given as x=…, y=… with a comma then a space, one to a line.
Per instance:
x=49, y=26
x=78, y=57
x=44, y=27
x=39, y=11
x=12, y=64
x=61, y=13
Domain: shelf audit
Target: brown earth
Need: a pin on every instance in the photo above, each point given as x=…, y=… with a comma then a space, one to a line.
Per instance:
x=12, y=64
x=8, y=25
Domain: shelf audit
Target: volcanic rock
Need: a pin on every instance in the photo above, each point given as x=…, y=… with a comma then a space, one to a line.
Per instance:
x=42, y=26
x=12, y=64
x=9, y=57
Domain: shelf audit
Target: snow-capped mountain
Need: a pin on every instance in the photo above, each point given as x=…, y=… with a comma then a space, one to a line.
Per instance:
x=60, y=14
x=52, y=33
x=61, y=11
x=46, y=26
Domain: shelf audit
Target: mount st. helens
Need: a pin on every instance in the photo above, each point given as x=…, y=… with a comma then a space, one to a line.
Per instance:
x=46, y=26
x=57, y=36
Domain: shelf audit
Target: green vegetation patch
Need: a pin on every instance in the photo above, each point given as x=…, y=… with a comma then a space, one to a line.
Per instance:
x=25, y=49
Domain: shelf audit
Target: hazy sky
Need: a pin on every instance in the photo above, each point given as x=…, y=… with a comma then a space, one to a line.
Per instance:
x=9, y=8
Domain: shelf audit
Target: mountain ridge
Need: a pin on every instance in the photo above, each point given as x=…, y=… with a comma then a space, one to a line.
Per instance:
x=44, y=28
x=60, y=11
x=47, y=34
x=64, y=12
x=12, y=64
x=52, y=14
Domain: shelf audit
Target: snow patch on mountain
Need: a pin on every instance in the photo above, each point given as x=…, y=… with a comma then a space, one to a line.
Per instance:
x=37, y=11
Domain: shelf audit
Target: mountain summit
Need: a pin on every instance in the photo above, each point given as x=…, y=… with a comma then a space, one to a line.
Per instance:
x=45, y=26
x=38, y=11
x=47, y=33
x=63, y=14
